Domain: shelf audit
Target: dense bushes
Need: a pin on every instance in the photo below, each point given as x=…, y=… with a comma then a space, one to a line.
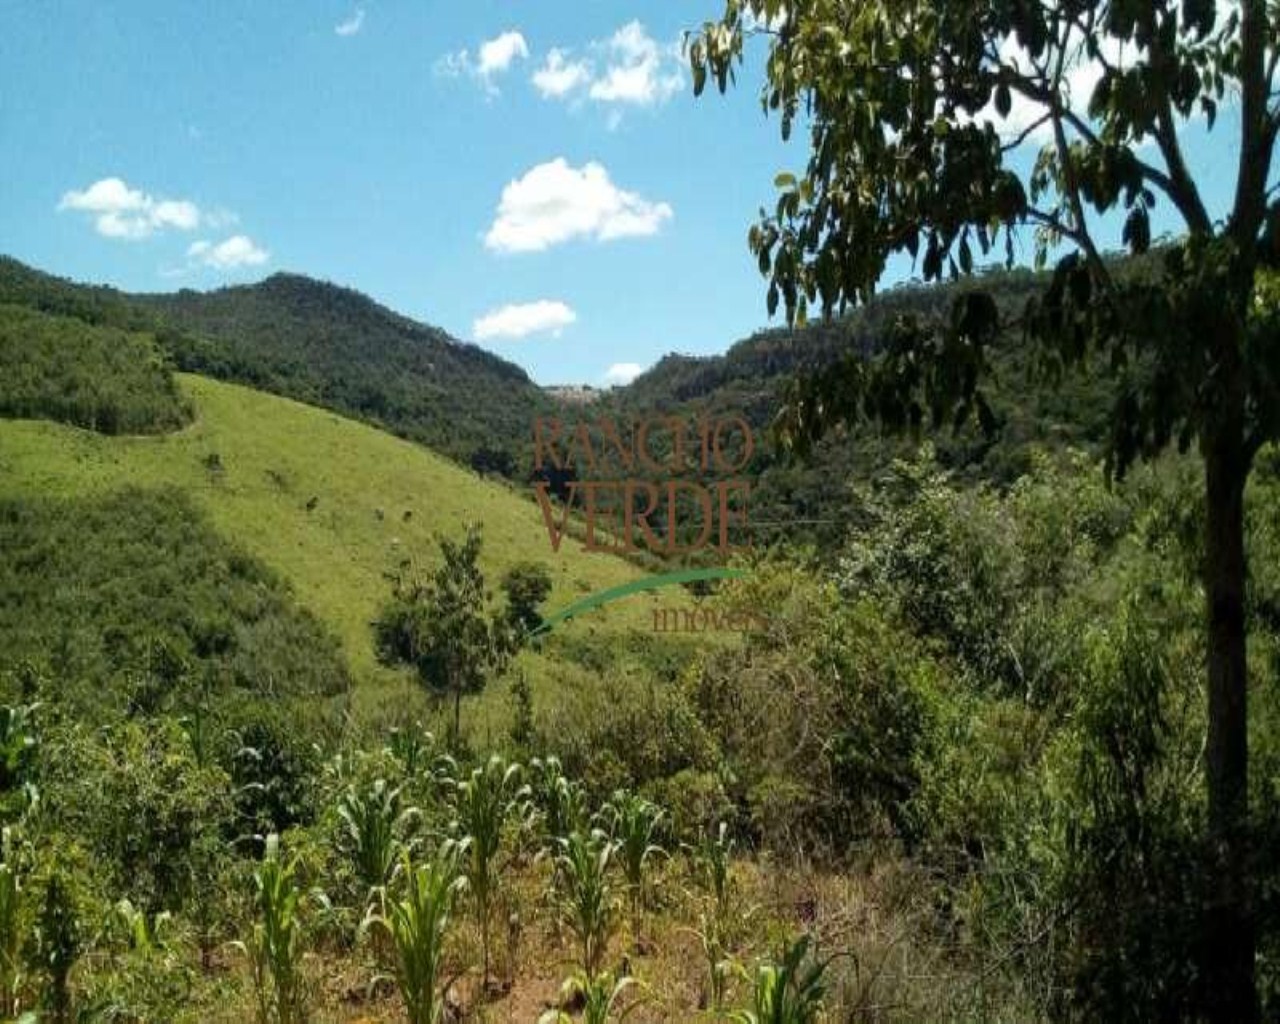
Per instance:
x=101, y=378
x=1008, y=686
x=133, y=601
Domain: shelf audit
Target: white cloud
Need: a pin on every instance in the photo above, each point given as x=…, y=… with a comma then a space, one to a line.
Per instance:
x=629, y=69
x=559, y=76
x=120, y=211
x=232, y=254
x=352, y=25
x=498, y=54
x=639, y=71
x=494, y=57
x=554, y=203
x=1080, y=77
x=622, y=373
x=523, y=319
x=453, y=65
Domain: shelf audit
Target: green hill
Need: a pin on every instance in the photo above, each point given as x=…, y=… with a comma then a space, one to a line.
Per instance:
x=321, y=344
x=809, y=501
x=330, y=506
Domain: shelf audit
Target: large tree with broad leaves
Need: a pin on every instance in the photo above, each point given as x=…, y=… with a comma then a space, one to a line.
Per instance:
x=918, y=114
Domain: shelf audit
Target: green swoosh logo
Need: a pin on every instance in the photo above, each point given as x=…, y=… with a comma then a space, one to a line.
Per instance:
x=604, y=597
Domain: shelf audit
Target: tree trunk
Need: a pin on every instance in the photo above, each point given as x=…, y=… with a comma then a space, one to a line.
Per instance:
x=1229, y=932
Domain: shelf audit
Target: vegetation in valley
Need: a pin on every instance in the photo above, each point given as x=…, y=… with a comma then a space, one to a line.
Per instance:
x=968, y=765
x=927, y=764
x=909, y=113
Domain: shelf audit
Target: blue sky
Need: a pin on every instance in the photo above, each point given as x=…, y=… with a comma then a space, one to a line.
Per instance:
x=537, y=177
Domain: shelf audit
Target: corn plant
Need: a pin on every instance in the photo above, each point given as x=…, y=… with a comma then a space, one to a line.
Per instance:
x=712, y=860
x=19, y=749
x=599, y=997
x=721, y=966
x=413, y=747
x=561, y=802
x=18, y=743
x=483, y=802
x=417, y=924
x=789, y=992
x=587, y=900
x=275, y=948
x=141, y=933
x=631, y=821
x=375, y=828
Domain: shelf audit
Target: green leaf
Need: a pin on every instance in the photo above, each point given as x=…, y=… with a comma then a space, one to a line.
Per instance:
x=1004, y=100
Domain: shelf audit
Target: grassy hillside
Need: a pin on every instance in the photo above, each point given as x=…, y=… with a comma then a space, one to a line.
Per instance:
x=322, y=344
x=331, y=505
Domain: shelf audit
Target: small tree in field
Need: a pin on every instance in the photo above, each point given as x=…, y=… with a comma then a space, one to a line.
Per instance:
x=914, y=109
x=527, y=585
x=444, y=628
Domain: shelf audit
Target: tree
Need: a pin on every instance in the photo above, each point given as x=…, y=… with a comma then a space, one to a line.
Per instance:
x=443, y=627
x=915, y=109
x=527, y=585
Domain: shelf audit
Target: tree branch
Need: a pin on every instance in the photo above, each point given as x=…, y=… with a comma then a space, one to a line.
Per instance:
x=1068, y=175
x=1182, y=187
x=1040, y=93
x=1055, y=224
x=1023, y=135
x=1257, y=134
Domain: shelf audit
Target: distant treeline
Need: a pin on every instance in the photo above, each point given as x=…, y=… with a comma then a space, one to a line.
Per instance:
x=809, y=501
x=333, y=347
x=102, y=378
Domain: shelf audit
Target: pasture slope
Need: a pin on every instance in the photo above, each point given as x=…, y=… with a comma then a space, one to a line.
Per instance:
x=333, y=505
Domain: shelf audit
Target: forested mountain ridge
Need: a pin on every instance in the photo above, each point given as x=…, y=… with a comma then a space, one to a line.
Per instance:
x=323, y=344
x=751, y=378
x=334, y=347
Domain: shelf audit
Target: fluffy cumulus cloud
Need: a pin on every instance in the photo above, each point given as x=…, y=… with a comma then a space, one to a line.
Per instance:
x=622, y=373
x=352, y=25
x=630, y=68
x=120, y=211
x=559, y=76
x=554, y=202
x=638, y=71
x=234, y=253
x=494, y=57
x=499, y=53
x=522, y=319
